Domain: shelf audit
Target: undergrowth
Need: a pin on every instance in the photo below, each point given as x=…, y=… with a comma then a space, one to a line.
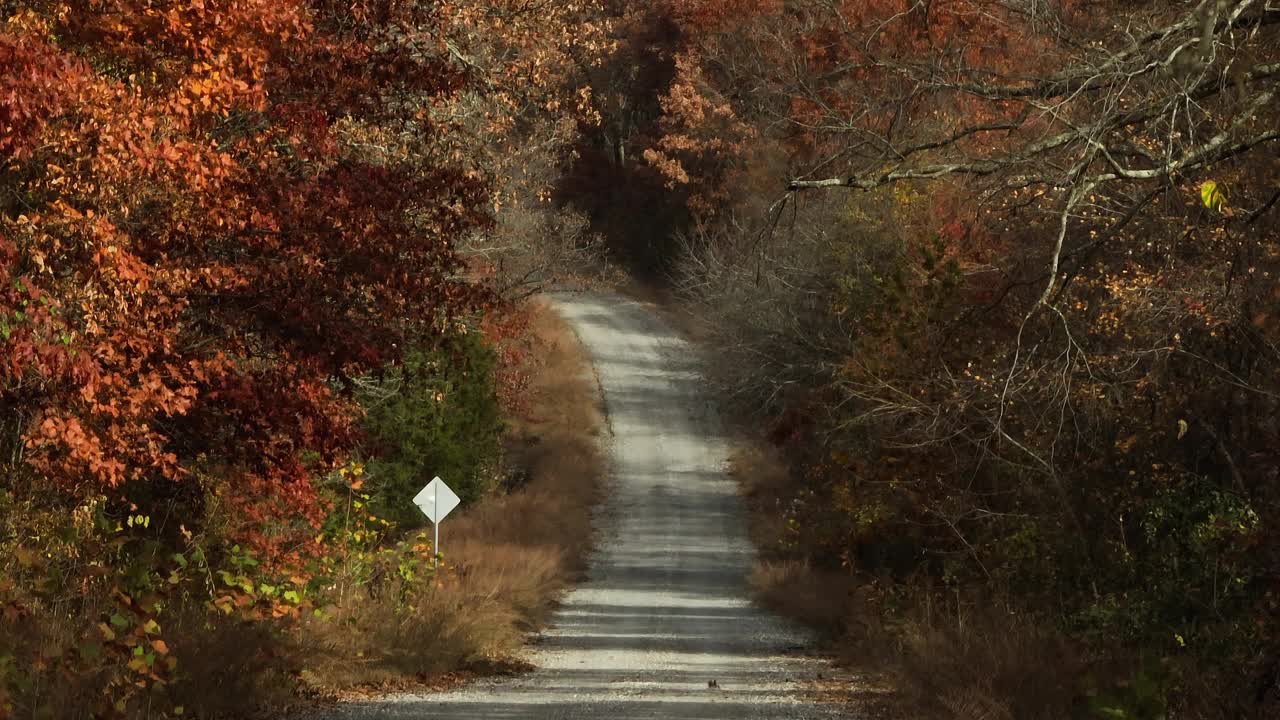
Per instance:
x=107, y=610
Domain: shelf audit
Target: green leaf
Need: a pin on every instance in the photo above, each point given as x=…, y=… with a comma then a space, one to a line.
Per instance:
x=119, y=621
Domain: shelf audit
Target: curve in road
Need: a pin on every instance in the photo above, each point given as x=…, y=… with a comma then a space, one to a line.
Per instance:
x=665, y=609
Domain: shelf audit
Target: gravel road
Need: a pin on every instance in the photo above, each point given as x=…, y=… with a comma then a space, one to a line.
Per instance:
x=665, y=609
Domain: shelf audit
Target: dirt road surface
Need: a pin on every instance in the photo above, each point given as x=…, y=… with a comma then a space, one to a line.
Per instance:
x=665, y=610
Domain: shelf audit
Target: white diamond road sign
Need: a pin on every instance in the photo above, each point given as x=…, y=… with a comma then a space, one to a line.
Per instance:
x=436, y=500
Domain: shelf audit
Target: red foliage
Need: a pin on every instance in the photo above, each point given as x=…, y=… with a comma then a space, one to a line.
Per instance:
x=196, y=250
x=507, y=330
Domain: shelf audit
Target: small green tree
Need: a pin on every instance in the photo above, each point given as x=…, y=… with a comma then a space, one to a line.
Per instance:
x=437, y=414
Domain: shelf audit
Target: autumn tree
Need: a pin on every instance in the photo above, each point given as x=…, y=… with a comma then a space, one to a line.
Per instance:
x=518, y=123
x=216, y=220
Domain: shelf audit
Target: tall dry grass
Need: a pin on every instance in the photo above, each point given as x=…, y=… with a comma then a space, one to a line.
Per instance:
x=945, y=657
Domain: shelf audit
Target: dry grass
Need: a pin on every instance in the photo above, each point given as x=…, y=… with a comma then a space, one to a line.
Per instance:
x=794, y=588
x=946, y=658
x=508, y=557
x=767, y=486
x=784, y=579
x=983, y=663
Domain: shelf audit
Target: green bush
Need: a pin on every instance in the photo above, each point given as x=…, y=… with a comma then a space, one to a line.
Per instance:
x=437, y=414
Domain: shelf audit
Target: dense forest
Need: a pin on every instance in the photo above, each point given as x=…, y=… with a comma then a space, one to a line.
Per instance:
x=997, y=279
x=1000, y=279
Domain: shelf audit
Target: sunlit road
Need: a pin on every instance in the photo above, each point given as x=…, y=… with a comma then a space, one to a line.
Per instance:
x=665, y=609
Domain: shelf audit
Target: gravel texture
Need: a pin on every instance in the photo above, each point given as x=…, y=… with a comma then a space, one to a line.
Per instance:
x=663, y=626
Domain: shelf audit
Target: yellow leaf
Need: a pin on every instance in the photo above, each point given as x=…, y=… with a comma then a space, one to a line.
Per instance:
x=1182, y=428
x=1212, y=196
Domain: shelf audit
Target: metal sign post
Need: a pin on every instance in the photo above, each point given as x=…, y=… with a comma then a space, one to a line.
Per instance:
x=435, y=501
